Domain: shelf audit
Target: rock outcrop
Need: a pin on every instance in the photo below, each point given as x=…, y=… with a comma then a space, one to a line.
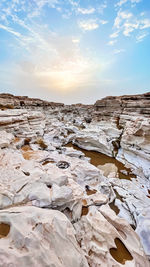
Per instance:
x=132, y=115
x=22, y=123
x=52, y=199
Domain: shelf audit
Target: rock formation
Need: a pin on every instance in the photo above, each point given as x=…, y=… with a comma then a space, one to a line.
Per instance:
x=55, y=201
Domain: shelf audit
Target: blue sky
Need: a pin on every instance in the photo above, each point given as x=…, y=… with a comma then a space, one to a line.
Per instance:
x=74, y=51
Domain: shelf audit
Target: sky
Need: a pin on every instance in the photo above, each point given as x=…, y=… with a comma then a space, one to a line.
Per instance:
x=74, y=51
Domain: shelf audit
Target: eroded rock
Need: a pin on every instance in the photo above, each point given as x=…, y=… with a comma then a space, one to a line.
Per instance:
x=33, y=230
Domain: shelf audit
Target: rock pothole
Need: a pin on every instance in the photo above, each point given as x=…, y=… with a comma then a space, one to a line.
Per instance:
x=62, y=164
x=4, y=229
x=90, y=191
x=85, y=210
x=121, y=254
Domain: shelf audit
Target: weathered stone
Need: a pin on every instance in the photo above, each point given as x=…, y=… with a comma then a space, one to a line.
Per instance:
x=118, y=127
x=39, y=237
x=97, y=231
x=60, y=195
x=5, y=139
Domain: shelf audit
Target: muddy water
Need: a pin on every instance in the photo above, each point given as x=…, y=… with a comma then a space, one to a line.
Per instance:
x=97, y=158
x=85, y=211
x=114, y=207
x=120, y=253
x=4, y=229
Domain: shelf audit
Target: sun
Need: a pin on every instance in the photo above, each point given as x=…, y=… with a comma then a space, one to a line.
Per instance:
x=65, y=79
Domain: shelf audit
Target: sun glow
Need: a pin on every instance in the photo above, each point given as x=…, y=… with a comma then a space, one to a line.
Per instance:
x=66, y=78
x=62, y=80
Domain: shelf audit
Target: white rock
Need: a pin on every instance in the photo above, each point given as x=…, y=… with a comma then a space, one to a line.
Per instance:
x=60, y=195
x=96, y=233
x=143, y=229
x=39, y=237
x=98, y=137
x=40, y=195
x=5, y=139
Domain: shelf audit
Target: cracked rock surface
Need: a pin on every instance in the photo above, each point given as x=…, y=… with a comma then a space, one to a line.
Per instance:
x=55, y=202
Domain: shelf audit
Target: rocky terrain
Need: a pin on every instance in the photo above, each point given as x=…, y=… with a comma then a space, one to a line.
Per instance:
x=75, y=182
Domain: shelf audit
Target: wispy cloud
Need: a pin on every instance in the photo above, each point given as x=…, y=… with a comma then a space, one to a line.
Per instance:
x=118, y=51
x=122, y=2
x=121, y=16
x=144, y=24
x=141, y=37
x=114, y=35
x=111, y=42
x=86, y=11
x=88, y=25
x=76, y=41
x=10, y=30
x=103, y=22
x=127, y=23
x=102, y=7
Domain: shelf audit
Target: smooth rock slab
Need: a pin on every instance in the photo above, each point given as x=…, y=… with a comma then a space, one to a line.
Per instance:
x=39, y=237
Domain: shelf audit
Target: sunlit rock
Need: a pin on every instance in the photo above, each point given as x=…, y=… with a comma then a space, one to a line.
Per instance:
x=39, y=237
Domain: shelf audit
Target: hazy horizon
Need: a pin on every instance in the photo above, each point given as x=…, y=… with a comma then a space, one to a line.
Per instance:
x=89, y=103
x=74, y=51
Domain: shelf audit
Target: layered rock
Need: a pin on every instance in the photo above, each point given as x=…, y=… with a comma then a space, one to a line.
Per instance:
x=22, y=123
x=37, y=170
x=132, y=115
x=9, y=101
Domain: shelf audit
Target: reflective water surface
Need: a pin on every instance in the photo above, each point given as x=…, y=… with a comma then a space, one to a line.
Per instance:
x=97, y=158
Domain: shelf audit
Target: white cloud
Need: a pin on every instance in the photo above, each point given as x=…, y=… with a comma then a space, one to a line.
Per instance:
x=140, y=38
x=118, y=51
x=101, y=8
x=112, y=42
x=114, y=35
x=145, y=23
x=130, y=27
x=76, y=41
x=121, y=15
x=88, y=25
x=8, y=29
x=122, y=2
x=73, y=3
x=42, y=3
x=53, y=61
x=86, y=11
x=127, y=23
x=103, y=22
